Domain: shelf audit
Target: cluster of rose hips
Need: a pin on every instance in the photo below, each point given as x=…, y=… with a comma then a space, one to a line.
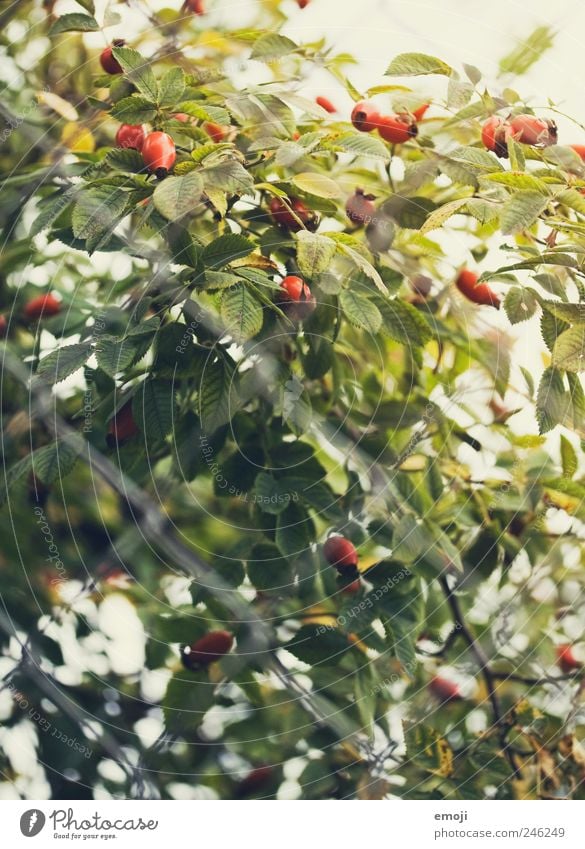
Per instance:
x=396, y=129
x=527, y=129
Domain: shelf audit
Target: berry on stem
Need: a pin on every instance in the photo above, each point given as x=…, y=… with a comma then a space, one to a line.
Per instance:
x=130, y=136
x=296, y=299
x=158, y=151
x=195, y=6
x=43, y=306
x=216, y=132
x=3, y=327
x=365, y=116
x=477, y=293
x=108, y=61
x=579, y=150
x=444, y=690
x=121, y=426
x=207, y=649
x=494, y=133
x=566, y=659
x=282, y=215
x=531, y=130
x=360, y=208
x=341, y=553
x=325, y=104
x=397, y=129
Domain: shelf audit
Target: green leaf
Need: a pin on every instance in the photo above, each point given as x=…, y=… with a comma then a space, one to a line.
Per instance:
x=124, y=159
x=522, y=210
x=175, y=197
x=362, y=144
x=438, y=217
x=404, y=323
x=573, y=199
x=520, y=304
x=572, y=313
x=267, y=568
x=360, y=311
x=63, y=362
x=51, y=210
x=52, y=462
x=226, y=249
x=74, y=22
x=569, y=350
x=242, y=313
x=272, y=46
x=153, y=409
x=138, y=71
x=171, y=87
x=115, y=355
x=271, y=495
x=189, y=696
x=316, y=645
x=417, y=64
x=314, y=253
x=218, y=398
x=317, y=184
x=97, y=212
x=527, y=52
x=360, y=261
x=518, y=180
x=552, y=400
x=568, y=458
x=229, y=176
x=134, y=110
x=294, y=531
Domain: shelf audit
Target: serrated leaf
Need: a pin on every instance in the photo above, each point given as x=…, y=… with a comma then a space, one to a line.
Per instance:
x=52, y=462
x=272, y=45
x=314, y=253
x=317, y=184
x=97, y=212
x=218, y=399
x=229, y=176
x=438, y=217
x=138, y=71
x=175, y=197
x=74, y=22
x=569, y=350
x=171, y=87
x=124, y=159
x=360, y=311
x=568, y=458
x=404, y=323
x=362, y=144
x=520, y=304
x=294, y=531
x=241, y=312
x=134, y=110
x=521, y=211
x=518, y=180
x=114, y=355
x=51, y=210
x=417, y=64
x=189, y=695
x=63, y=362
x=572, y=313
x=153, y=409
x=360, y=261
x=573, y=199
x=552, y=400
x=226, y=249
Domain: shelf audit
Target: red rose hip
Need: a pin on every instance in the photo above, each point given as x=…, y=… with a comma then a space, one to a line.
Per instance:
x=122, y=426
x=360, y=208
x=566, y=659
x=130, y=136
x=531, y=130
x=444, y=690
x=397, y=129
x=108, y=61
x=295, y=298
x=365, y=116
x=207, y=649
x=325, y=104
x=43, y=306
x=340, y=552
x=158, y=151
x=477, y=293
x=282, y=214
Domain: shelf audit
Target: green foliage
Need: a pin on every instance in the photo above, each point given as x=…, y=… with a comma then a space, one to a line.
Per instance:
x=183, y=440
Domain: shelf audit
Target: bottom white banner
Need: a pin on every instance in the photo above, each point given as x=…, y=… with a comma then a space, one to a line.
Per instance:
x=419, y=824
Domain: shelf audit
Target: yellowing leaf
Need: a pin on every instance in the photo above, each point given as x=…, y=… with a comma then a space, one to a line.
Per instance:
x=58, y=105
x=77, y=138
x=317, y=184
